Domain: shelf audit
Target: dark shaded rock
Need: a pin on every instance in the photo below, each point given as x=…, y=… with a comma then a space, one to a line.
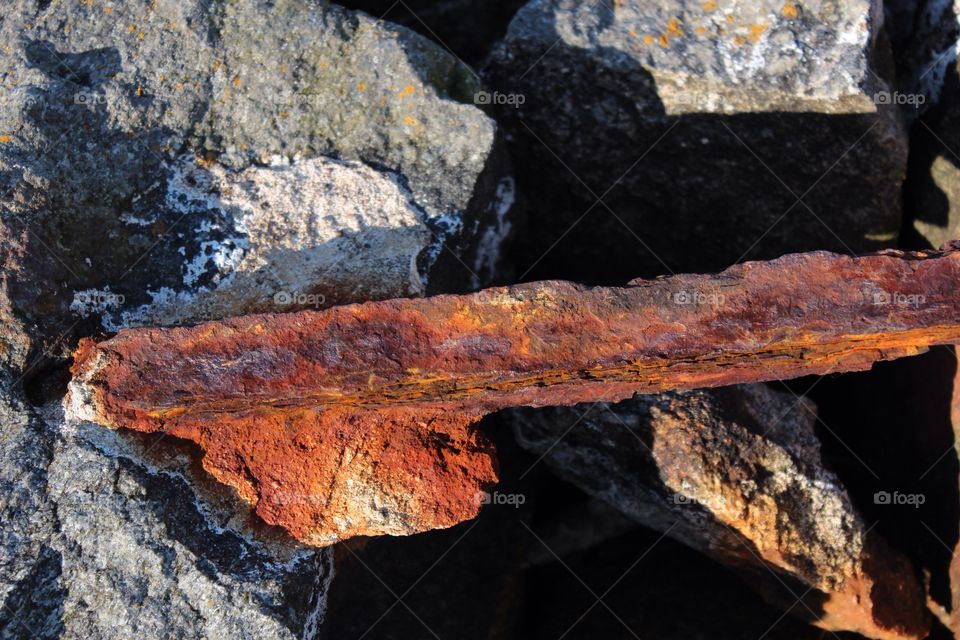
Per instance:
x=651, y=587
x=712, y=132
x=736, y=473
x=107, y=537
x=468, y=29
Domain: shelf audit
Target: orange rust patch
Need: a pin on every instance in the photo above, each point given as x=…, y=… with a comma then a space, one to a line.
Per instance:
x=756, y=32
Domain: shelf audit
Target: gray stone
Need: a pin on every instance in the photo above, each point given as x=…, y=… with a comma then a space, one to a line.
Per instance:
x=737, y=474
x=106, y=536
x=467, y=28
x=357, y=133
x=700, y=124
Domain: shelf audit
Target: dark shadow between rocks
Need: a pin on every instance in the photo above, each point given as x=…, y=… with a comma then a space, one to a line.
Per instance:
x=651, y=586
x=466, y=28
x=888, y=433
x=931, y=192
x=686, y=192
x=463, y=582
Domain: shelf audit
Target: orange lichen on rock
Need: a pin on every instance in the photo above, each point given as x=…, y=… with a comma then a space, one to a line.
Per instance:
x=368, y=408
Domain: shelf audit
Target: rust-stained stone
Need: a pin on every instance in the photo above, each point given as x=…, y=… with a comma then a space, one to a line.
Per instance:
x=365, y=411
x=737, y=474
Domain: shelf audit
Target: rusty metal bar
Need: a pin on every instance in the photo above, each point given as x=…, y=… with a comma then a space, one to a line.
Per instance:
x=451, y=359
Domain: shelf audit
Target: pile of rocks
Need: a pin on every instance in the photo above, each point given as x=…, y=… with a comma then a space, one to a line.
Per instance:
x=167, y=162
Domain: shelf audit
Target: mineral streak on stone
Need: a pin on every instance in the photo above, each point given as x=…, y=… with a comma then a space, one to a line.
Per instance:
x=700, y=124
x=300, y=411
x=736, y=473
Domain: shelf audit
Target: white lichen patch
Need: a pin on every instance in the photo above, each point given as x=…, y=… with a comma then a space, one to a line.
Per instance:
x=318, y=231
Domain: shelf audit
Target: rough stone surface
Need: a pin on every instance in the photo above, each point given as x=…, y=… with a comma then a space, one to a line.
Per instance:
x=712, y=131
x=364, y=413
x=109, y=112
x=309, y=234
x=106, y=536
x=736, y=473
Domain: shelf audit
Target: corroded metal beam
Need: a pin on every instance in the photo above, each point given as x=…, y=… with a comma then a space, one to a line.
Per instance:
x=310, y=404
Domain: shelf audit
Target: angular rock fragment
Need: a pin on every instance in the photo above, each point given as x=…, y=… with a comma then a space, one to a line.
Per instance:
x=686, y=135
x=290, y=402
x=736, y=473
x=96, y=545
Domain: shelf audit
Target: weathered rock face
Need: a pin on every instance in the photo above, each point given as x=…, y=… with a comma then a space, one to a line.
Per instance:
x=169, y=161
x=712, y=131
x=312, y=233
x=736, y=473
x=96, y=545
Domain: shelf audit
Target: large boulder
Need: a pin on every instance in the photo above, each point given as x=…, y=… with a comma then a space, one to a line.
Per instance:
x=686, y=135
x=170, y=161
x=737, y=473
x=106, y=536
